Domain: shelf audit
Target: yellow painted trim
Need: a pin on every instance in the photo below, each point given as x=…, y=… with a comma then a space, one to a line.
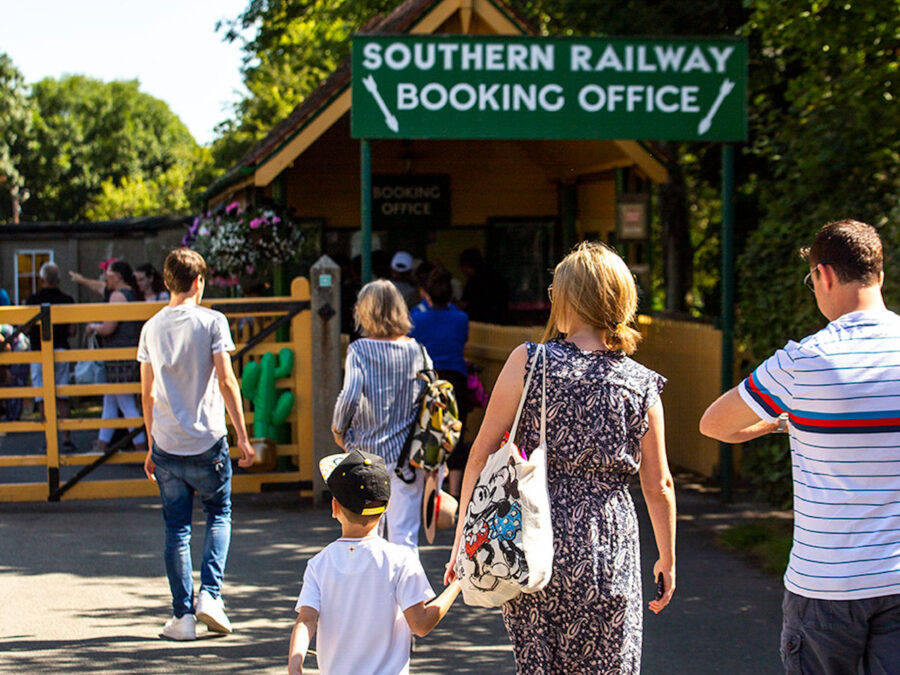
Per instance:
x=82, y=459
x=10, y=427
x=648, y=164
x=228, y=194
x=19, y=357
x=103, y=311
x=496, y=19
x=321, y=123
x=303, y=385
x=15, y=315
x=23, y=460
x=435, y=17
x=21, y=392
x=105, y=354
x=98, y=389
x=23, y=492
x=83, y=423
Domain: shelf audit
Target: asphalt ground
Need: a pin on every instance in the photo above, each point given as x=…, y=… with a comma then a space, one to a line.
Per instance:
x=83, y=590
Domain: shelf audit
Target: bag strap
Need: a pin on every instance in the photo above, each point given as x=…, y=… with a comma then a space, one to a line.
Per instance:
x=403, y=459
x=512, y=432
x=544, y=395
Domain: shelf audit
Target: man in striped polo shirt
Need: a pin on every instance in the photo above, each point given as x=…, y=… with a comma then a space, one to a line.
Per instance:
x=837, y=393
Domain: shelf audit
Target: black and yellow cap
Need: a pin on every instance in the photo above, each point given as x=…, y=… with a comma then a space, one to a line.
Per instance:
x=356, y=479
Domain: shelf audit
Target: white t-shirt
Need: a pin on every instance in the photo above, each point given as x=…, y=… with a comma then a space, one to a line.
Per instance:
x=179, y=342
x=360, y=588
x=841, y=390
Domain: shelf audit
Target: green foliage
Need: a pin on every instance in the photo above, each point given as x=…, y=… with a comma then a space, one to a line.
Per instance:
x=15, y=127
x=133, y=197
x=826, y=124
x=766, y=465
x=766, y=542
x=88, y=132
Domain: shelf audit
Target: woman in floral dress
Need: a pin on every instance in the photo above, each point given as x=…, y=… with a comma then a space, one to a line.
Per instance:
x=604, y=424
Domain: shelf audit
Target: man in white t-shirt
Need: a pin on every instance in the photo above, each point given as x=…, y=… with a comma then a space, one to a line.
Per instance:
x=364, y=595
x=187, y=384
x=836, y=392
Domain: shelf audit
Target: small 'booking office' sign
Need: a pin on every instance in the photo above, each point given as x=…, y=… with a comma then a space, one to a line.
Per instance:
x=531, y=87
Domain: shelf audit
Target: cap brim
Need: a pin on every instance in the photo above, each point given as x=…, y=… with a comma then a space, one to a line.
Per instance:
x=429, y=510
x=330, y=463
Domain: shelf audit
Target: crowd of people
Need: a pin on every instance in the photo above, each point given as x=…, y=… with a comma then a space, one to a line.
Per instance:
x=598, y=413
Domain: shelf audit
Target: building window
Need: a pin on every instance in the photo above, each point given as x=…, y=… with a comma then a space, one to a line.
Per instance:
x=28, y=265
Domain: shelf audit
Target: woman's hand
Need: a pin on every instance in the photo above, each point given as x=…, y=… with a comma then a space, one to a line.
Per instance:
x=668, y=573
x=450, y=571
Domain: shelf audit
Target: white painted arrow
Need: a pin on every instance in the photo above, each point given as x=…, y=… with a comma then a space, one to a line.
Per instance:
x=706, y=122
x=389, y=118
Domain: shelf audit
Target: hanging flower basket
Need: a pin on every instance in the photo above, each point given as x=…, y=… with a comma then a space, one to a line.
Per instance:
x=239, y=244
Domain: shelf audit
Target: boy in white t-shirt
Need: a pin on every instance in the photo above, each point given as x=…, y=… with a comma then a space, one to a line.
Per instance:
x=365, y=595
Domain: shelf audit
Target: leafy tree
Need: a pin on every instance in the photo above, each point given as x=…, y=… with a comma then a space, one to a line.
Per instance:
x=132, y=197
x=15, y=128
x=87, y=132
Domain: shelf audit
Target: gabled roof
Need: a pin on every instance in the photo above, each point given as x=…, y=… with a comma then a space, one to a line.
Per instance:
x=406, y=18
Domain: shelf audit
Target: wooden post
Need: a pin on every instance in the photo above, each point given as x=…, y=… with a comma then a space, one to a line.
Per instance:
x=325, y=282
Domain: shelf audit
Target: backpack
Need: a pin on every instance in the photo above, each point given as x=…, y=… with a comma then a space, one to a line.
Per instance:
x=436, y=427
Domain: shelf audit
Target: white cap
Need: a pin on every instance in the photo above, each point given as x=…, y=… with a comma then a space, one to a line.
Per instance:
x=402, y=261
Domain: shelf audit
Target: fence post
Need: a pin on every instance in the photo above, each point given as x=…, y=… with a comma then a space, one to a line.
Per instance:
x=325, y=292
x=48, y=375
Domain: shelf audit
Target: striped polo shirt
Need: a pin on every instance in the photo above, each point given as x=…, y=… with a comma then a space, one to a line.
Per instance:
x=841, y=390
x=376, y=406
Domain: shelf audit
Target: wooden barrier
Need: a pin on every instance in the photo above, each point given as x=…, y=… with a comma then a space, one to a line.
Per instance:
x=249, y=318
x=687, y=353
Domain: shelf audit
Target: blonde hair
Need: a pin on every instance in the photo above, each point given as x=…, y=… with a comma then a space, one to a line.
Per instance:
x=381, y=311
x=596, y=284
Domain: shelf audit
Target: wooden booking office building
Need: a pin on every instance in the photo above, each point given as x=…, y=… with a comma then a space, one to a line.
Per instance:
x=522, y=203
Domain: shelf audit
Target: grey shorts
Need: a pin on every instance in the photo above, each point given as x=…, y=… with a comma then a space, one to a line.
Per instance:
x=840, y=637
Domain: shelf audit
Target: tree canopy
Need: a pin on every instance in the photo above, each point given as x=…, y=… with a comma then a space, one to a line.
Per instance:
x=86, y=148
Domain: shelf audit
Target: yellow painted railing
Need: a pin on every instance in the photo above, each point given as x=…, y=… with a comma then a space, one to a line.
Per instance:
x=245, y=324
x=687, y=353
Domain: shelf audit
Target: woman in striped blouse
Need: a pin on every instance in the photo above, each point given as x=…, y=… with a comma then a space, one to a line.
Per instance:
x=375, y=409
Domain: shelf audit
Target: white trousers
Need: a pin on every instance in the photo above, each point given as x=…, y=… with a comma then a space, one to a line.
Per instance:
x=403, y=516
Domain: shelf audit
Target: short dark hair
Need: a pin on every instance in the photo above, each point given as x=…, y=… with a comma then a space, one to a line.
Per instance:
x=853, y=249
x=422, y=271
x=182, y=266
x=472, y=257
x=438, y=287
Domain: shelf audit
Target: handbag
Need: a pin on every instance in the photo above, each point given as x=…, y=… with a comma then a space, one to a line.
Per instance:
x=90, y=372
x=507, y=539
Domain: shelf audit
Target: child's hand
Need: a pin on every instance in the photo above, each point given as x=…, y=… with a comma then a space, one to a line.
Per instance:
x=248, y=454
x=450, y=570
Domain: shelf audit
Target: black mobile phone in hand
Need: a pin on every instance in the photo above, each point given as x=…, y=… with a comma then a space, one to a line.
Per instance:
x=660, y=586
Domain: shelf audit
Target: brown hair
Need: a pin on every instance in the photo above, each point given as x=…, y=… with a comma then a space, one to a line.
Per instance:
x=380, y=311
x=439, y=287
x=853, y=249
x=358, y=519
x=596, y=284
x=182, y=266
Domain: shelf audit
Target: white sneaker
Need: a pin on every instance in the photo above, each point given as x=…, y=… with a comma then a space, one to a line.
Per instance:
x=211, y=611
x=184, y=628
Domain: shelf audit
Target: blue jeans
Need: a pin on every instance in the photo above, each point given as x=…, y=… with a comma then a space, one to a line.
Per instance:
x=179, y=477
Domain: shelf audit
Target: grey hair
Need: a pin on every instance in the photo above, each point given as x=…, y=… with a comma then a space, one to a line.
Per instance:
x=50, y=273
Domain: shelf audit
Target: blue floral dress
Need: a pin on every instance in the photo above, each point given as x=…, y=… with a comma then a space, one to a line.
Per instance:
x=588, y=617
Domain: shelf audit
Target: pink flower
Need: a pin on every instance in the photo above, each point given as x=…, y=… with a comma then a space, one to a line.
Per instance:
x=276, y=220
x=233, y=206
x=256, y=222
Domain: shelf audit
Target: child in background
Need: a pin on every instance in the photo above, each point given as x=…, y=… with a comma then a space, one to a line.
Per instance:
x=349, y=586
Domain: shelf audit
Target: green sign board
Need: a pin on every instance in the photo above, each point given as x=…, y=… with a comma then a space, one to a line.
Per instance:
x=453, y=86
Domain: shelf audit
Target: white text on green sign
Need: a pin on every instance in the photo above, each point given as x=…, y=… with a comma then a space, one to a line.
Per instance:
x=609, y=88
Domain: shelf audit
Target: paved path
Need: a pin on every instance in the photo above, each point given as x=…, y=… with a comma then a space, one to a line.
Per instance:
x=83, y=590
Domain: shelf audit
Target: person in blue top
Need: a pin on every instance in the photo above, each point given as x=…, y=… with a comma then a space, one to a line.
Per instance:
x=444, y=330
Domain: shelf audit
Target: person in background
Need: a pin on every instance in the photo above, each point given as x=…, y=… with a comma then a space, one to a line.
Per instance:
x=443, y=329
x=420, y=276
x=485, y=296
x=375, y=410
x=122, y=287
x=381, y=264
x=16, y=375
x=401, y=277
x=96, y=285
x=151, y=284
x=4, y=298
x=50, y=294
x=835, y=393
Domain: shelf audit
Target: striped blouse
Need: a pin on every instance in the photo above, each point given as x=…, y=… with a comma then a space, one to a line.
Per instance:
x=375, y=408
x=841, y=390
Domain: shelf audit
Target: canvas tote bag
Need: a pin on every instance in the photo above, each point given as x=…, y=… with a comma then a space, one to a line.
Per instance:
x=507, y=542
x=90, y=372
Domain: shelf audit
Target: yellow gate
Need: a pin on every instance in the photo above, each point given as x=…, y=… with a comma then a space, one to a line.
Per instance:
x=256, y=323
